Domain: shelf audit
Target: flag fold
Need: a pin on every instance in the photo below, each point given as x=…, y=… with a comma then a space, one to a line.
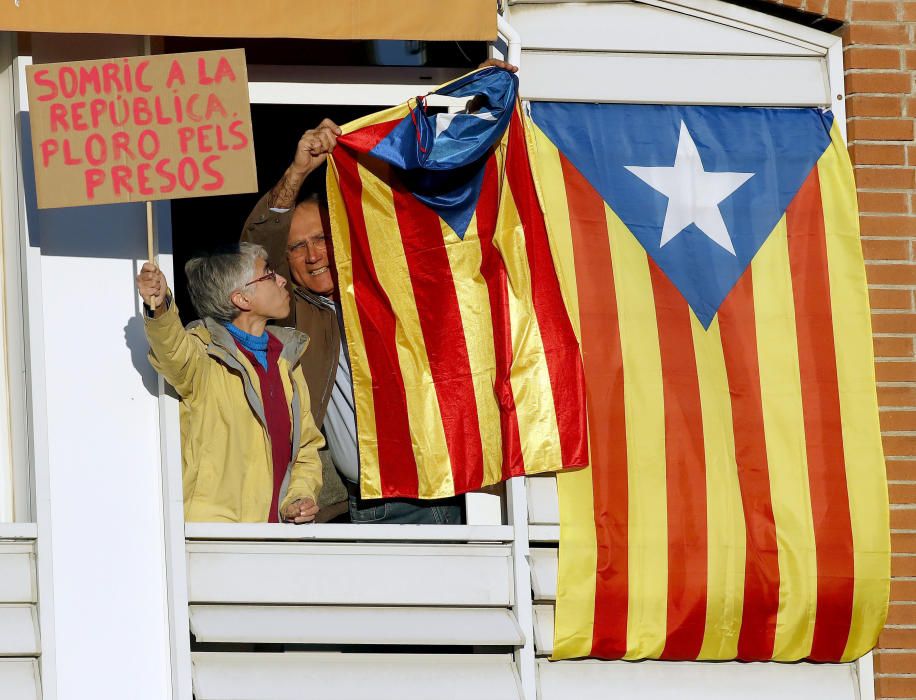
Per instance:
x=466, y=370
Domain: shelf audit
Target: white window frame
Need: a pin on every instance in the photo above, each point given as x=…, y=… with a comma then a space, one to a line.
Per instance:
x=17, y=500
x=25, y=348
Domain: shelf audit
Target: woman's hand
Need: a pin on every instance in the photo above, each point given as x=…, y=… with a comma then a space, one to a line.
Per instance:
x=152, y=286
x=301, y=511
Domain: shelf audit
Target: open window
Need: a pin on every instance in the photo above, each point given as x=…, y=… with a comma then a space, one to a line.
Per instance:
x=288, y=98
x=441, y=606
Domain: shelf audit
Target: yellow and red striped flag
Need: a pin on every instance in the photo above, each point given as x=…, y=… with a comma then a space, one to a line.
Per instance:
x=736, y=504
x=466, y=370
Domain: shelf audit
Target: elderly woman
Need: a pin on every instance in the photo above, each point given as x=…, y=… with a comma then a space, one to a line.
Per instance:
x=249, y=444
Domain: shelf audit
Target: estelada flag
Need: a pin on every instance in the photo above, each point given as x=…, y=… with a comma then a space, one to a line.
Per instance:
x=736, y=505
x=466, y=370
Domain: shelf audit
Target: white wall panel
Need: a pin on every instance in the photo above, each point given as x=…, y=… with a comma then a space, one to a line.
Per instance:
x=98, y=464
x=103, y=449
x=294, y=676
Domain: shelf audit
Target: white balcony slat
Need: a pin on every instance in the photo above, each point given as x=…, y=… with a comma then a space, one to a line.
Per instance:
x=19, y=679
x=543, y=504
x=544, y=533
x=18, y=531
x=544, y=573
x=293, y=676
x=330, y=624
x=483, y=508
x=349, y=532
x=543, y=629
x=591, y=680
x=17, y=573
x=369, y=574
x=19, y=630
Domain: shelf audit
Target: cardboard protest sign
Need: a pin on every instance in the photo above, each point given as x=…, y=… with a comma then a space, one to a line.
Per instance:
x=141, y=128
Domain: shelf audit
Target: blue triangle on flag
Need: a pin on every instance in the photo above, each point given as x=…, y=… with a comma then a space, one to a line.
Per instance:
x=701, y=188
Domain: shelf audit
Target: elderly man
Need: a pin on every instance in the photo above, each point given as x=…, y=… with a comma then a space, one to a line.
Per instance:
x=297, y=239
x=249, y=448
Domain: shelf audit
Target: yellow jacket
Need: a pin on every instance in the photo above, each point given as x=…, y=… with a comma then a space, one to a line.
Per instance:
x=225, y=448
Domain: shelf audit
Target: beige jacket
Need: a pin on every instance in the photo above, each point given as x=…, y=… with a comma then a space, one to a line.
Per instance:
x=226, y=455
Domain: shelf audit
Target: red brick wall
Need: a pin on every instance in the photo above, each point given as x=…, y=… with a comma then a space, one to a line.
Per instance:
x=880, y=57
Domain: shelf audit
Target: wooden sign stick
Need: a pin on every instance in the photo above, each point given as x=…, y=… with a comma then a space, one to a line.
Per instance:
x=149, y=244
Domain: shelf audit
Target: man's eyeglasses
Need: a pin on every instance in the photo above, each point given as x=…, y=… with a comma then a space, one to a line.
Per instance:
x=302, y=247
x=269, y=275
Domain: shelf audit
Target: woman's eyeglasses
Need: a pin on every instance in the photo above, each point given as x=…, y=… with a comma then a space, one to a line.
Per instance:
x=269, y=275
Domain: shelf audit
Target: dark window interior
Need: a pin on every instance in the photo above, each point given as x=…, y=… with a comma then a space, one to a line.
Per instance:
x=808, y=19
x=203, y=223
x=286, y=52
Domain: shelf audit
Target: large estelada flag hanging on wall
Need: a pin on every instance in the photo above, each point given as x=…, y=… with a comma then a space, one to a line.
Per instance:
x=736, y=505
x=466, y=370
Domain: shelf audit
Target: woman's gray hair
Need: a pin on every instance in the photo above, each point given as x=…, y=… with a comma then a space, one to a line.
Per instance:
x=212, y=278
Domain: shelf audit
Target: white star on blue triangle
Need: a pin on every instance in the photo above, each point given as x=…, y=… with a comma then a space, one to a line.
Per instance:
x=693, y=193
x=701, y=188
